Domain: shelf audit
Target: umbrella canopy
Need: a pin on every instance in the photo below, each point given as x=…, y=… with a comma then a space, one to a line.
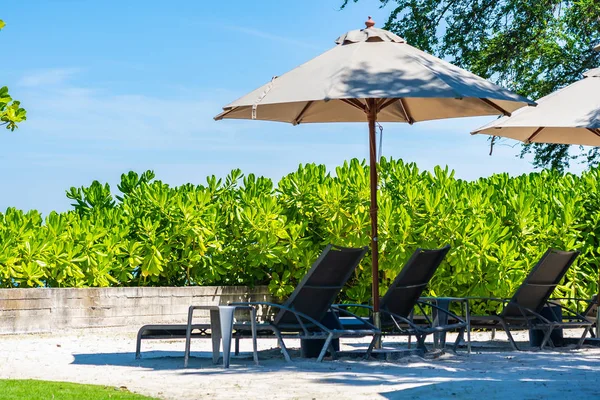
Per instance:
x=373, y=64
x=371, y=75
x=568, y=116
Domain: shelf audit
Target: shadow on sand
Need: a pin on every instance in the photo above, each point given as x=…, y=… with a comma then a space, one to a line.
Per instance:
x=491, y=374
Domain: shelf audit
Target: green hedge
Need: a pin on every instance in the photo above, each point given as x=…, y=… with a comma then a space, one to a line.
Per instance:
x=244, y=231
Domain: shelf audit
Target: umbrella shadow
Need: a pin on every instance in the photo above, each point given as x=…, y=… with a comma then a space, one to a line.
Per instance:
x=594, y=117
x=431, y=80
x=491, y=389
x=489, y=374
x=493, y=375
x=161, y=360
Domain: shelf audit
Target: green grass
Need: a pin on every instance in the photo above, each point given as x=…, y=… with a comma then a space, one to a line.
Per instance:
x=32, y=389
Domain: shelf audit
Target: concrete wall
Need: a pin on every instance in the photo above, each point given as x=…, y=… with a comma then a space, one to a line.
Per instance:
x=51, y=310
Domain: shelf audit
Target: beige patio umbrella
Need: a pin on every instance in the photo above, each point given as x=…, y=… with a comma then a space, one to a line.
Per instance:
x=570, y=115
x=373, y=75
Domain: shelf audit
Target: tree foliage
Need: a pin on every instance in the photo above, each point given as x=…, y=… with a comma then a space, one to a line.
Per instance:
x=532, y=47
x=11, y=111
x=243, y=230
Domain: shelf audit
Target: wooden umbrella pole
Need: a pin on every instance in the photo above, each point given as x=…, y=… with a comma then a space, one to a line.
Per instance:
x=372, y=117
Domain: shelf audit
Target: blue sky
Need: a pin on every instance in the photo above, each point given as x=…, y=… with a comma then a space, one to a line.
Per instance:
x=113, y=86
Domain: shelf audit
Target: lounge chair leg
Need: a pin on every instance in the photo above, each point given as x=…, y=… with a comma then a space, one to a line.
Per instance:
x=421, y=342
x=493, y=333
x=409, y=341
x=459, y=338
x=469, y=338
x=286, y=355
x=325, y=347
x=510, y=337
x=138, y=345
x=547, y=337
x=468, y=319
x=237, y=346
x=582, y=339
x=332, y=351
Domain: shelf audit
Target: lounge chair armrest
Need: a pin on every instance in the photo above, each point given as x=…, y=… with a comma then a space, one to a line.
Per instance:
x=282, y=307
x=339, y=307
x=402, y=319
x=588, y=300
x=439, y=309
x=544, y=319
x=496, y=299
x=352, y=305
x=450, y=299
x=525, y=311
x=346, y=312
x=575, y=313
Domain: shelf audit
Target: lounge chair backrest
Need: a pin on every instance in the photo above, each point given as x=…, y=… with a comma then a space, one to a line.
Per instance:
x=319, y=288
x=403, y=293
x=537, y=288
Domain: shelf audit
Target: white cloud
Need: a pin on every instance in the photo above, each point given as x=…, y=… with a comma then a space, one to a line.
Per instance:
x=271, y=36
x=121, y=121
x=47, y=77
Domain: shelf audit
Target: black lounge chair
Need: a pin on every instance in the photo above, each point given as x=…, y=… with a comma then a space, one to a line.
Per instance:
x=397, y=306
x=302, y=315
x=590, y=311
x=524, y=309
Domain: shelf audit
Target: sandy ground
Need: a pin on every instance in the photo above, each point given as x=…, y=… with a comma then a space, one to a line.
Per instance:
x=492, y=371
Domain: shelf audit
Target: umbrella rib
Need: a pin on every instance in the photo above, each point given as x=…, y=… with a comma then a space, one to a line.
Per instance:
x=537, y=132
x=298, y=119
x=403, y=106
x=495, y=106
x=362, y=106
x=406, y=113
x=353, y=102
x=224, y=113
x=387, y=103
x=382, y=103
x=595, y=131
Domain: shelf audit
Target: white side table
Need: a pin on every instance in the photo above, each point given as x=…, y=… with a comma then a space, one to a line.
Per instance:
x=221, y=327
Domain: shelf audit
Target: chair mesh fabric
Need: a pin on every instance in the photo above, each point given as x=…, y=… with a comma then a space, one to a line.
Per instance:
x=537, y=288
x=319, y=288
x=403, y=293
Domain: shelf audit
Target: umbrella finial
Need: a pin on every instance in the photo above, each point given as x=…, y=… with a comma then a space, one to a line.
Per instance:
x=370, y=23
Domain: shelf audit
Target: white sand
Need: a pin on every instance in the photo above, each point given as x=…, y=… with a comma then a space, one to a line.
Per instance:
x=107, y=358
